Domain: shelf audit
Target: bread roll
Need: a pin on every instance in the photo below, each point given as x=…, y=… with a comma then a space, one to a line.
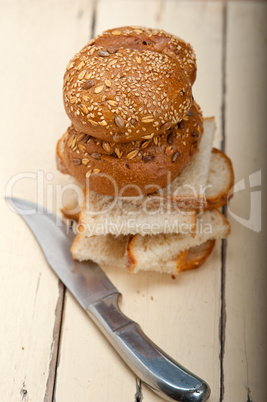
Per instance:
x=125, y=93
x=135, y=168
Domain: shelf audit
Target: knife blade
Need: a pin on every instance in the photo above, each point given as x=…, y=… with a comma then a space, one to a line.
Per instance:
x=99, y=297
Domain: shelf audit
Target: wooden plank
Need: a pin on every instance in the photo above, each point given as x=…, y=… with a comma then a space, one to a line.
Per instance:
x=182, y=315
x=38, y=37
x=245, y=360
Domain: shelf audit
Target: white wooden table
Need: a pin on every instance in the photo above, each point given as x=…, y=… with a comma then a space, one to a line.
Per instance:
x=213, y=320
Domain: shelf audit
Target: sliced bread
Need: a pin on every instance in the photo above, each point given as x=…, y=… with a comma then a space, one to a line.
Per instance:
x=142, y=252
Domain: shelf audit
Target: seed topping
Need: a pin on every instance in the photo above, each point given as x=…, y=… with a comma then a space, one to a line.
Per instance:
x=103, y=53
x=148, y=158
x=76, y=161
x=106, y=146
x=98, y=89
x=132, y=154
x=119, y=121
x=108, y=83
x=112, y=49
x=89, y=84
x=96, y=155
x=176, y=156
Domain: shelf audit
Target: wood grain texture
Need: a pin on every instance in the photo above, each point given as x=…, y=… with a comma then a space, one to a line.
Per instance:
x=37, y=38
x=181, y=315
x=245, y=360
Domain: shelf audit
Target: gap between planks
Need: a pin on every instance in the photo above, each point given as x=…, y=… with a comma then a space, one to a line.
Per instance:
x=55, y=345
x=222, y=323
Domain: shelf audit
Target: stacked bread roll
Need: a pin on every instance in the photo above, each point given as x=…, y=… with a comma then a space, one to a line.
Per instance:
x=135, y=143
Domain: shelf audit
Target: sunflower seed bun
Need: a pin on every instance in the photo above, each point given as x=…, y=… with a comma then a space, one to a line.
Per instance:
x=129, y=169
x=124, y=94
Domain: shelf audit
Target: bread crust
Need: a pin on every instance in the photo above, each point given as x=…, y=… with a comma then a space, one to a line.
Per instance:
x=135, y=91
x=131, y=169
x=221, y=199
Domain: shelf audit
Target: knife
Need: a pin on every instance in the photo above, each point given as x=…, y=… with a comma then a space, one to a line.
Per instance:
x=99, y=298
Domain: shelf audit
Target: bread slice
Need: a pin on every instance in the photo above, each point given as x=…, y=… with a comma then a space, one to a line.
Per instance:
x=161, y=253
x=104, y=250
x=220, y=180
x=142, y=252
x=109, y=252
x=101, y=216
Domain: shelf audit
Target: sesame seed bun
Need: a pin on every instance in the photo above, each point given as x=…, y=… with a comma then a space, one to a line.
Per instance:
x=133, y=168
x=126, y=94
x=141, y=38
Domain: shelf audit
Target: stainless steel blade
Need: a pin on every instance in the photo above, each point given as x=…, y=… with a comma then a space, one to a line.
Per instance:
x=86, y=281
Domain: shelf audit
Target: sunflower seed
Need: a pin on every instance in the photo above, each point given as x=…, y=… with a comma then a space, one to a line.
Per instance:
x=165, y=126
x=89, y=84
x=103, y=53
x=96, y=171
x=76, y=161
x=148, y=158
x=169, y=150
x=195, y=133
x=107, y=158
x=138, y=59
x=170, y=138
x=119, y=121
x=88, y=174
x=96, y=155
x=176, y=156
x=112, y=49
x=133, y=122
x=85, y=161
x=116, y=32
x=180, y=124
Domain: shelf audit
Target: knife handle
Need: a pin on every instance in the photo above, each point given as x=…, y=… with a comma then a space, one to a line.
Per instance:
x=155, y=368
